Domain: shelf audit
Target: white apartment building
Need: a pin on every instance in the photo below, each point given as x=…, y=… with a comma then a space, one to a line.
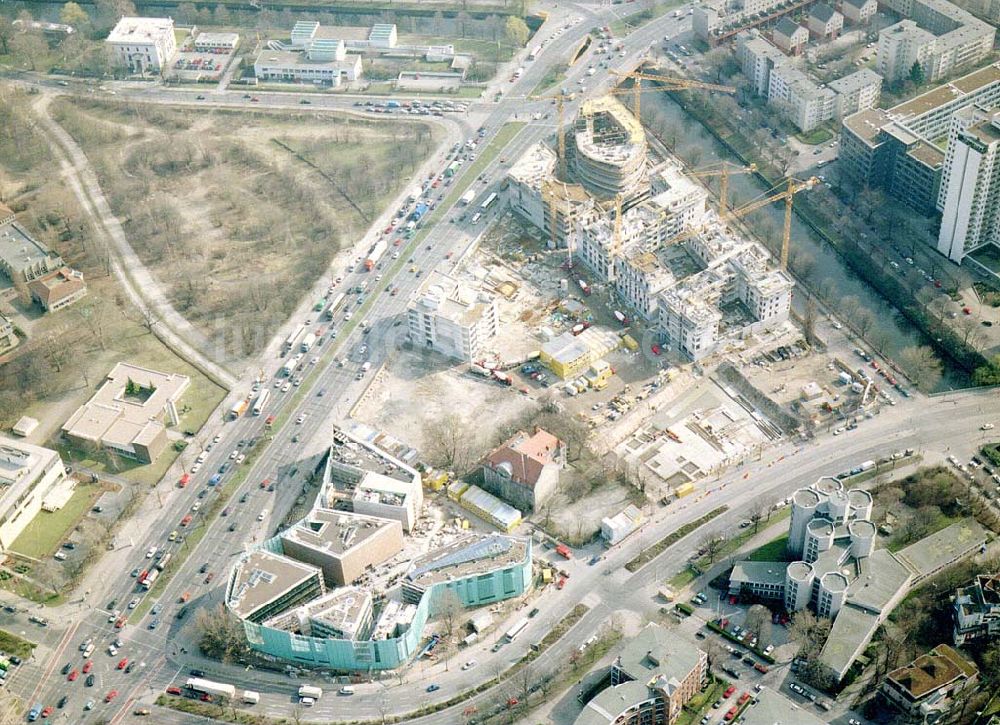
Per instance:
x=27, y=475
x=757, y=57
x=900, y=46
x=688, y=318
x=969, y=199
x=856, y=92
x=806, y=104
x=452, y=319
x=143, y=45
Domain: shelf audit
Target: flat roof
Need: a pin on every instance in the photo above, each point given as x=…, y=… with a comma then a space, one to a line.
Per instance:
x=927, y=154
x=289, y=59
x=141, y=30
x=21, y=465
x=771, y=708
x=759, y=572
x=932, y=671
x=867, y=124
x=851, y=631
x=977, y=79
x=336, y=532
x=116, y=416
x=18, y=249
x=855, y=81
x=473, y=554
x=939, y=549
x=264, y=576
x=345, y=609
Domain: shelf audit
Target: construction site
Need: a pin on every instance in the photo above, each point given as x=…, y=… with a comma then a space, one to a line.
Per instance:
x=615, y=291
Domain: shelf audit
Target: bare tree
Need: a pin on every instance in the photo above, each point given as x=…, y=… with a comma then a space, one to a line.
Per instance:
x=758, y=623
x=758, y=510
x=221, y=635
x=449, y=443
x=922, y=365
x=712, y=542
x=449, y=609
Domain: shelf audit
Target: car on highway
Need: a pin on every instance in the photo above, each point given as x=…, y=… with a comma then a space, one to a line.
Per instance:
x=173, y=535
x=174, y=691
x=469, y=665
x=262, y=515
x=210, y=577
x=111, y=696
x=154, y=624
x=186, y=520
x=433, y=688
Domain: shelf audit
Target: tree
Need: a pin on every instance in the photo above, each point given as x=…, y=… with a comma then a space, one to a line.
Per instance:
x=449, y=443
x=988, y=374
x=108, y=12
x=516, y=31
x=221, y=635
x=758, y=509
x=917, y=74
x=712, y=543
x=449, y=608
x=923, y=367
x=29, y=49
x=74, y=15
x=758, y=623
x=7, y=33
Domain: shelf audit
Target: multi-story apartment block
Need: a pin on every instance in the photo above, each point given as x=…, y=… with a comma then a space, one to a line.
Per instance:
x=143, y=45
x=969, y=198
x=939, y=36
x=757, y=57
x=900, y=149
x=806, y=103
x=651, y=679
x=27, y=475
x=452, y=319
x=855, y=92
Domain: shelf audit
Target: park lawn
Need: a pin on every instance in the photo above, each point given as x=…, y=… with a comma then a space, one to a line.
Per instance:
x=814, y=137
x=555, y=75
x=48, y=529
x=11, y=644
x=771, y=551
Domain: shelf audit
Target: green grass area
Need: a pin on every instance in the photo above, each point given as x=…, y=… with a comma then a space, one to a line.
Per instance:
x=555, y=75
x=992, y=452
x=626, y=24
x=814, y=137
x=943, y=520
x=682, y=578
x=650, y=553
x=14, y=645
x=48, y=529
x=771, y=551
x=693, y=708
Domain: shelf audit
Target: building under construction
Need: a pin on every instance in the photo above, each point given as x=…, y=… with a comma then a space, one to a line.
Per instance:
x=644, y=229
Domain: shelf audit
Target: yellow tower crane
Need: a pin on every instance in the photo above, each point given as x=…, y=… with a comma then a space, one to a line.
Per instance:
x=664, y=83
x=724, y=170
x=786, y=195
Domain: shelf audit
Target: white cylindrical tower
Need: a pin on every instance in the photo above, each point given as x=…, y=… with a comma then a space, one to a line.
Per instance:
x=804, y=503
x=832, y=592
x=862, y=538
x=861, y=504
x=819, y=538
x=799, y=578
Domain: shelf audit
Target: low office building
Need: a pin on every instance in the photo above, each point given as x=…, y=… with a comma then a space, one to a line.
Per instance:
x=651, y=679
x=325, y=63
x=524, y=471
x=452, y=319
x=789, y=36
x=569, y=355
x=28, y=474
x=615, y=529
x=924, y=690
x=22, y=258
x=58, y=289
x=216, y=42
x=143, y=45
x=900, y=149
x=976, y=610
x=129, y=413
x=824, y=22
x=858, y=12
x=343, y=545
x=969, y=197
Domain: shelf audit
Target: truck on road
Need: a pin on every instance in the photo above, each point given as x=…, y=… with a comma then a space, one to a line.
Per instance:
x=418, y=212
x=239, y=408
x=310, y=691
x=375, y=254
x=307, y=342
x=467, y=197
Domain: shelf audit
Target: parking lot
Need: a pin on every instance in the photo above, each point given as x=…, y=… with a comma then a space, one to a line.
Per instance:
x=206, y=65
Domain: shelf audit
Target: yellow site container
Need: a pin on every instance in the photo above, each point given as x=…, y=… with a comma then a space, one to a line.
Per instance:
x=629, y=342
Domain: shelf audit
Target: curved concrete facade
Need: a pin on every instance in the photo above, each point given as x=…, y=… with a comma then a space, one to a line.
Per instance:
x=819, y=538
x=862, y=538
x=861, y=503
x=832, y=592
x=610, y=150
x=799, y=578
x=804, y=505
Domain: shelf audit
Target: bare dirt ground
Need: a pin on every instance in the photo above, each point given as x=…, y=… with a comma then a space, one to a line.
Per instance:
x=238, y=213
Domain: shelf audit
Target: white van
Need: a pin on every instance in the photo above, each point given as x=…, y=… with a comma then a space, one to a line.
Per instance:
x=346, y=690
x=476, y=217
x=307, y=701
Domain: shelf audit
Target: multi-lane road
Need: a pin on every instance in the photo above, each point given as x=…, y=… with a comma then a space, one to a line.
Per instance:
x=169, y=650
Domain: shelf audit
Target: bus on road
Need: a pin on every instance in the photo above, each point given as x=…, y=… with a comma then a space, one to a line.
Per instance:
x=258, y=406
x=332, y=309
x=516, y=630
x=489, y=201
